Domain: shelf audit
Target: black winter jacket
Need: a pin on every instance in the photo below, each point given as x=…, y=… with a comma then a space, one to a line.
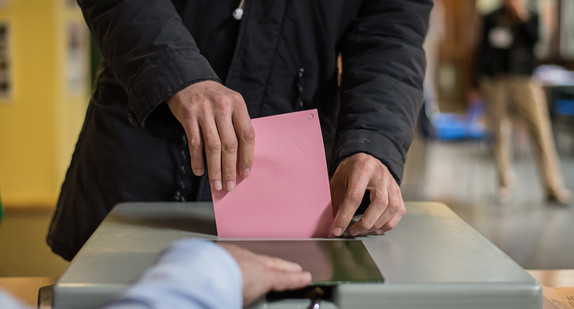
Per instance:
x=282, y=57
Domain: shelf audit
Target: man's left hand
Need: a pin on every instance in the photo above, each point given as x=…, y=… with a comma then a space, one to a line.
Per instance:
x=354, y=176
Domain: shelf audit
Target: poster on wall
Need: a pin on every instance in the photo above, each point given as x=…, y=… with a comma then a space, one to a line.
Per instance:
x=5, y=63
x=76, y=62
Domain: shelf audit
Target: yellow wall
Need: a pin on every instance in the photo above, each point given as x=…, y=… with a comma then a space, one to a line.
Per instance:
x=39, y=124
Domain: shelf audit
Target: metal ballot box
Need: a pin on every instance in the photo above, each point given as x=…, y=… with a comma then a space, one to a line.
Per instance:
x=433, y=259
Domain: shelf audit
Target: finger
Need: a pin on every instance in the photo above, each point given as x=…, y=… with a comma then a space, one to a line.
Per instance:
x=285, y=280
x=353, y=197
x=246, y=139
x=280, y=264
x=195, y=143
x=338, y=190
x=391, y=224
x=377, y=209
x=228, y=149
x=212, y=145
x=383, y=219
x=394, y=207
x=398, y=213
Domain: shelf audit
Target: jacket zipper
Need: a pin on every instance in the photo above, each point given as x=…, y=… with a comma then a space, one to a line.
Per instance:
x=300, y=104
x=238, y=12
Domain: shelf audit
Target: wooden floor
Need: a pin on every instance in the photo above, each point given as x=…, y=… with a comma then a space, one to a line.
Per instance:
x=460, y=174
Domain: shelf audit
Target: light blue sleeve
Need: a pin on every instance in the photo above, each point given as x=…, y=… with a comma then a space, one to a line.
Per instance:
x=7, y=301
x=191, y=273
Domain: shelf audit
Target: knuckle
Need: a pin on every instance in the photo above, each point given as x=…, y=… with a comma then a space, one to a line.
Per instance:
x=195, y=142
x=367, y=222
x=212, y=144
x=362, y=167
x=229, y=174
x=355, y=197
x=220, y=97
x=402, y=210
x=394, y=207
x=203, y=104
x=391, y=224
x=214, y=173
x=248, y=135
x=344, y=218
x=221, y=102
x=365, y=225
x=230, y=145
x=236, y=96
x=379, y=206
x=379, y=225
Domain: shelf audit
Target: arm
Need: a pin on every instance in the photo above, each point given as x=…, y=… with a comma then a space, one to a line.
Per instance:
x=528, y=27
x=151, y=53
x=381, y=94
x=7, y=301
x=195, y=273
x=190, y=274
x=156, y=60
x=525, y=22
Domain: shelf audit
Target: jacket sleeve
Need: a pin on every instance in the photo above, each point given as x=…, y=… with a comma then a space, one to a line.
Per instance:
x=151, y=53
x=381, y=81
x=529, y=29
x=190, y=273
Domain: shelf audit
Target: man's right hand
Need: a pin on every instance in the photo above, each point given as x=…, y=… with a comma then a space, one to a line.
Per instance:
x=215, y=120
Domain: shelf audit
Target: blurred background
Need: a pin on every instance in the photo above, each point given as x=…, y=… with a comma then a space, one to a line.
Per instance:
x=47, y=63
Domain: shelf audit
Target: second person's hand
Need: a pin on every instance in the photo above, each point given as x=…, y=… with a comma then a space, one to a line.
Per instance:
x=262, y=273
x=216, y=121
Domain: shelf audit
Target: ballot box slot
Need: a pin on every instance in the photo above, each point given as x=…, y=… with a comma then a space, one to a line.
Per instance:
x=313, y=293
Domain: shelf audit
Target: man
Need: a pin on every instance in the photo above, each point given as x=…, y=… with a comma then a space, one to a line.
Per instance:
x=506, y=61
x=181, y=79
x=194, y=273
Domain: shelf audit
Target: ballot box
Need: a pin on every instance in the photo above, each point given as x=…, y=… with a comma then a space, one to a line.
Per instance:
x=432, y=259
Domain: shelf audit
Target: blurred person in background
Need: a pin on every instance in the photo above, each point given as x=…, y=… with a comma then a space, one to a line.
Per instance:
x=435, y=35
x=506, y=61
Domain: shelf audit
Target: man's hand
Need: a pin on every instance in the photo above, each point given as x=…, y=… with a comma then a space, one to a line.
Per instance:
x=215, y=120
x=262, y=273
x=355, y=175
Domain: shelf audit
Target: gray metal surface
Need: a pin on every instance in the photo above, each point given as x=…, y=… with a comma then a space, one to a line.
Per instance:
x=433, y=259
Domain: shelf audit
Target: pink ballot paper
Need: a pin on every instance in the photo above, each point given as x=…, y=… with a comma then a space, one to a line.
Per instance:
x=287, y=193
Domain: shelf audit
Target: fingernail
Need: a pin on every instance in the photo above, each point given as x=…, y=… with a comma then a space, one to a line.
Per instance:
x=379, y=232
x=217, y=185
x=337, y=231
x=354, y=232
x=198, y=172
x=245, y=172
x=229, y=186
